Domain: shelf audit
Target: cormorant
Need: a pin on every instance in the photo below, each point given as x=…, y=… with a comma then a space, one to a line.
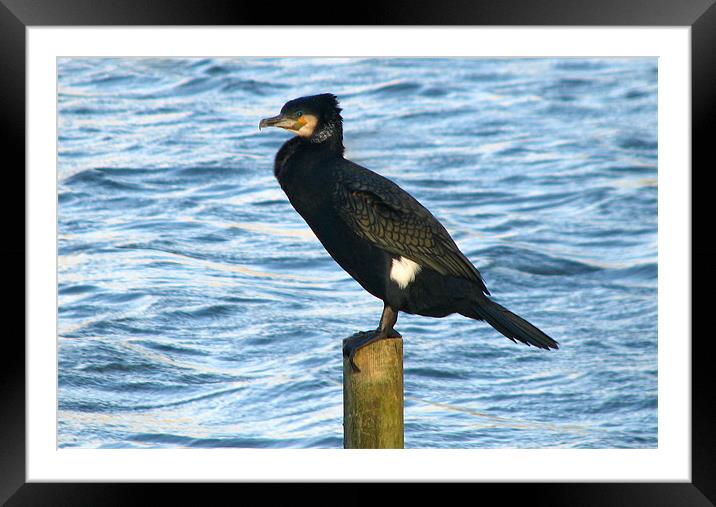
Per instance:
x=382, y=236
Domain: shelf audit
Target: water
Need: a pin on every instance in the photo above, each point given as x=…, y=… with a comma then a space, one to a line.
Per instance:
x=197, y=309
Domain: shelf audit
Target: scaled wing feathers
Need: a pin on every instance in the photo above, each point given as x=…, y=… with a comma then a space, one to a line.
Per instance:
x=390, y=218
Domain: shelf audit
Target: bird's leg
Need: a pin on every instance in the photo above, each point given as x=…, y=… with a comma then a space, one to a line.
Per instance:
x=359, y=340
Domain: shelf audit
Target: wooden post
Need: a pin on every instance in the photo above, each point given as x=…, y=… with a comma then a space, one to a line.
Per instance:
x=373, y=397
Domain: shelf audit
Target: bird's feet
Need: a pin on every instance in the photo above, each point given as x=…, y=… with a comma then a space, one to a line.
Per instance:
x=352, y=344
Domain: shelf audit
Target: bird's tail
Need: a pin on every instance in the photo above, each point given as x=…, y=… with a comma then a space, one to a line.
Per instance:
x=512, y=326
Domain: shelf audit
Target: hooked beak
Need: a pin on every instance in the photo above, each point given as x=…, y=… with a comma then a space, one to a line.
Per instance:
x=280, y=121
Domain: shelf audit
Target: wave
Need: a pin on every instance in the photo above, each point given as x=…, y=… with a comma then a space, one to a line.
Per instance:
x=536, y=263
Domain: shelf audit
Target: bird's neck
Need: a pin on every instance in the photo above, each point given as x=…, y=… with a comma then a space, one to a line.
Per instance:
x=299, y=152
x=329, y=137
x=333, y=145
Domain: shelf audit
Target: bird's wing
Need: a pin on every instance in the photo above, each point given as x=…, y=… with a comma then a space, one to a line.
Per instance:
x=378, y=210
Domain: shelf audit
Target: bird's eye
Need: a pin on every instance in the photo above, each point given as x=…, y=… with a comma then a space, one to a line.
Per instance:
x=299, y=114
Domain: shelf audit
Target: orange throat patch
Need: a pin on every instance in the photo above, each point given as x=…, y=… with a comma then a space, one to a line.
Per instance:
x=306, y=125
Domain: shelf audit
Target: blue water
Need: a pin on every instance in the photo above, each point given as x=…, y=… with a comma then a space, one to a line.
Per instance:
x=196, y=309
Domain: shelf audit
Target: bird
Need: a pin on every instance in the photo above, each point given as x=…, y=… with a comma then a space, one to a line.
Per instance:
x=378, y=233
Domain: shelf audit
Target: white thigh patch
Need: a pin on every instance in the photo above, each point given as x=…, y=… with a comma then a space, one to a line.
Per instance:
x=403, y=271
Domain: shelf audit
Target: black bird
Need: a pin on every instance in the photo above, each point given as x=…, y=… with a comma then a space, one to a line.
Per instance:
x=382, y=236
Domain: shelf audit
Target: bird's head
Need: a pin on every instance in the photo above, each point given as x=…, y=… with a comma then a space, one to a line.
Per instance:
x=316, y=118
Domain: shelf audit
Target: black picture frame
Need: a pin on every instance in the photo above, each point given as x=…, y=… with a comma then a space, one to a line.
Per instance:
x=17, y=15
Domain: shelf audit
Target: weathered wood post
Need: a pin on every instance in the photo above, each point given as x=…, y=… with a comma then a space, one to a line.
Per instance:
x=373, y=397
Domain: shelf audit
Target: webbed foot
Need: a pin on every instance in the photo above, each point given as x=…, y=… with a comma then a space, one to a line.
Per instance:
x=354, y=343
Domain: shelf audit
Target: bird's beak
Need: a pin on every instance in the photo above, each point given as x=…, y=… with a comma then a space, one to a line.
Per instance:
x=280, y=121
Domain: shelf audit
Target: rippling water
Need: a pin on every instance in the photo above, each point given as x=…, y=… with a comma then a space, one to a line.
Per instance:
x=197, y=309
